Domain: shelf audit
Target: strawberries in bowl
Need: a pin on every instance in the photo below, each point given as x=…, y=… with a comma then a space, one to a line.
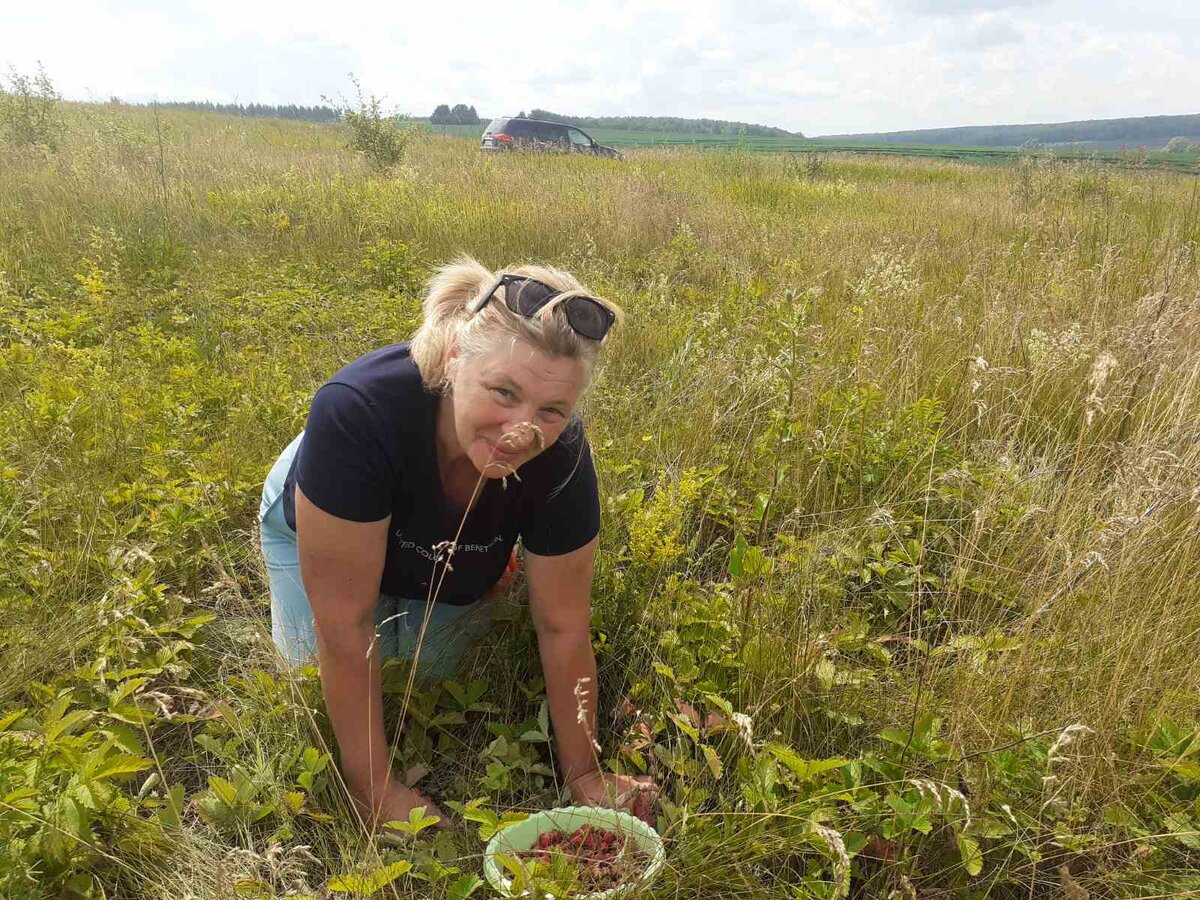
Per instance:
x=589, y=853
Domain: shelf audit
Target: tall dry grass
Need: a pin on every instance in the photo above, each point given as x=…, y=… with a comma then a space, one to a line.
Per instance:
x=175, y=285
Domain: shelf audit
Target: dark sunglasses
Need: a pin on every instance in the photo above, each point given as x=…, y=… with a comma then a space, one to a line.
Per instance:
x=525, y=296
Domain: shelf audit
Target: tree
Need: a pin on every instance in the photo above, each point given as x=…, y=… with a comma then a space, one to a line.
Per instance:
x=441, y=115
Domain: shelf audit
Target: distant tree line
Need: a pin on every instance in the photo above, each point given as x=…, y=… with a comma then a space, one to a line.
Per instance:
x=459, y=114
x=1144, y=130
x=266, y=110
x=666, y=123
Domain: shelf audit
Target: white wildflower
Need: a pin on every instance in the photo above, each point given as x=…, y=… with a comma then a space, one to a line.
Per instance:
x=841, y=866
x=944, y=797
x=581, y=715
x=745, y=727
x=1101, y=369
x=1065, y=739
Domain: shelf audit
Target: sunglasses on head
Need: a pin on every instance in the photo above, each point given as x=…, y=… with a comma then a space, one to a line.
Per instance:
x=525, y=296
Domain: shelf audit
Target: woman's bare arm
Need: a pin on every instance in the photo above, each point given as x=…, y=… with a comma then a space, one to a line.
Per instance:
x=341, y=563
x=560, y=590
x=560, y=593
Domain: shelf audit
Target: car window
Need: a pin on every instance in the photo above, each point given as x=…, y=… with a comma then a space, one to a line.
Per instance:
x=547, y=131
x=517, y=128
x=496, y=125
x=578, y=138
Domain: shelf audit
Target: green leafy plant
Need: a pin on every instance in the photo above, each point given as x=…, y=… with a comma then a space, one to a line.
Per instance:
x=378, y=138
x=237, y=803
x=29, y=110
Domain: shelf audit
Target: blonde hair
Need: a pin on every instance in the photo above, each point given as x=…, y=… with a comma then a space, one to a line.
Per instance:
x=457, y=285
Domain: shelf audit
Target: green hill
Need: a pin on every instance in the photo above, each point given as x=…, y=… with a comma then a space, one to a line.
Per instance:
x=1153, y=131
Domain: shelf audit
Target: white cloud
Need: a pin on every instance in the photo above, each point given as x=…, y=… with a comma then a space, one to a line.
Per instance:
x=966, y=7
x=823, y=66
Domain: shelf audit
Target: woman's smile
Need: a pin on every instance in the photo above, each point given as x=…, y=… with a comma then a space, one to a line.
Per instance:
x=500, y=452
x=505, y=408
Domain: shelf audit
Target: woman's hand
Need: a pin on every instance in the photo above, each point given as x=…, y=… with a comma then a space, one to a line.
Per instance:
x=634, y=793
x=394, y=801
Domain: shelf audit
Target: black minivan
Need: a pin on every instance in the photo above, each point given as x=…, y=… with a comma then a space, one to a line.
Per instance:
x=535, y=134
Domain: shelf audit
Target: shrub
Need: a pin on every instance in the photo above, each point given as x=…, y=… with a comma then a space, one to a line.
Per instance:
x=377, y=137
x=29, y=114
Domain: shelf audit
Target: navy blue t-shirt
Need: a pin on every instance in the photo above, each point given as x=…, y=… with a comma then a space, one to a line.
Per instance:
x=369, y=451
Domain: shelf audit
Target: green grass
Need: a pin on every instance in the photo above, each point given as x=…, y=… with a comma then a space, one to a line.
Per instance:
x=627, y=139
x=900, y=487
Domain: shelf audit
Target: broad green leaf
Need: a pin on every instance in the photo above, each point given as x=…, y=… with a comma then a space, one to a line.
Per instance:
x=370, y=883
x=348, y=884
x=74, y=819
x=455, y=690
x=895, y=736
x=736, y=555
x=124, y=689
x=314, y=760
x=854, y=842
x=1187, y=768
x=187, y=627
x=489, y=823
x=124, y=737
x=986, y=827
x=685, y=726
x=121, y=764
x=58, y=726
x=520, y=878
x=57, y=709
x=417, y=822
x=972, y=856
x=21, y=799
x=171, y=813
x=464, y=887
x=755, y=562
x=714, y=761
x=805, y=769
x=720, y=703
x=7, y=720
x=223, y=790
x=433, y=869
x=542, y=733
x=1183, y=830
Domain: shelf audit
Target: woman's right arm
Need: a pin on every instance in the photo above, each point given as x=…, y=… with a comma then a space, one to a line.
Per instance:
x=341, y=563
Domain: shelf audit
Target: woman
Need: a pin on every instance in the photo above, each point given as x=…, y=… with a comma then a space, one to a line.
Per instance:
x=475, y=416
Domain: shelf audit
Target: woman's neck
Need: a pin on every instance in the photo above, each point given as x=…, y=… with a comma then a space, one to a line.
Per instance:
x=450, y=454
x=455, y=469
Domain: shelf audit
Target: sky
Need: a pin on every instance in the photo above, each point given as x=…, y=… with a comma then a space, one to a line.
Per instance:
x=816, y=66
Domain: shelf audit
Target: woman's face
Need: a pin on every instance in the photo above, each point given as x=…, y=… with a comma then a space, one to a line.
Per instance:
x=514, y=383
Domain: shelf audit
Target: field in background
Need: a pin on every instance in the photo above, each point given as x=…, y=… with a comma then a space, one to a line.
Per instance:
x=896, y=594
x=626, y=139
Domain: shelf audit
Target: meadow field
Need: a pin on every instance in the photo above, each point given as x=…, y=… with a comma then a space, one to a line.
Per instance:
x=900, y=460
x=626, y=139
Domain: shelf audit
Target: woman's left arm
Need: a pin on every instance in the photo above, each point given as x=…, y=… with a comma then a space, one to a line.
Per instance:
x=560, y=590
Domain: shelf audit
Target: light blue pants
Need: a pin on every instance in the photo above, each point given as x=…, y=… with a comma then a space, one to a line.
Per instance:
x=397, y=620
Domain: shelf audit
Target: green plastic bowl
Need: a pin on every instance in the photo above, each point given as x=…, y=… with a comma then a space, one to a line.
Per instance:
x=523, y=835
